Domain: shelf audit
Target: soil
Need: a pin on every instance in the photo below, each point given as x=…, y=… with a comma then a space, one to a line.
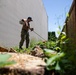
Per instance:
x=25, y=64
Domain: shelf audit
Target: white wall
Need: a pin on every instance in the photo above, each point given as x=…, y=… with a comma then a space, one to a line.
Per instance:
x=11, y=11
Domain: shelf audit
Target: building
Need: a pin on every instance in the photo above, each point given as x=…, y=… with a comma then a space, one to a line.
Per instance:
x=12, y=11
x=70, y=25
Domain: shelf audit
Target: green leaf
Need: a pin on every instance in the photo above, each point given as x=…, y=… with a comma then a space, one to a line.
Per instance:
x=50, y=67
x=57, y=48
x=2, y=64
x=4, y=57
x=57, y=67
x=58, y=32
x=51, y=60
x=49, y=52
x=63, y=37
x=67, y=15
x=61, y=54
x=55, y=58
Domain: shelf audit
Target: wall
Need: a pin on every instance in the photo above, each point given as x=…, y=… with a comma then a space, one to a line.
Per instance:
x=11, y=11
x=70, y=26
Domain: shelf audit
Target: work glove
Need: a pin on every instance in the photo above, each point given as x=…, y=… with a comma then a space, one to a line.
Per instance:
x=31, y=29
x=21, y=21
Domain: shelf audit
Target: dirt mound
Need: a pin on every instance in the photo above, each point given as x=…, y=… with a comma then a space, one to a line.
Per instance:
x=25, y=64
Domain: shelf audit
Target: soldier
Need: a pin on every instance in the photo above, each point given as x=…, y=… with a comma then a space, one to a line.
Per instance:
x=24, y=31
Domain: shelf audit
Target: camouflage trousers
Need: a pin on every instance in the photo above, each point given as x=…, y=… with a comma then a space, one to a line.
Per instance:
x=24, y=36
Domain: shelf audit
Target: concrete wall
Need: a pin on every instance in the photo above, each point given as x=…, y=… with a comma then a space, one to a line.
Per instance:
x=11, y=11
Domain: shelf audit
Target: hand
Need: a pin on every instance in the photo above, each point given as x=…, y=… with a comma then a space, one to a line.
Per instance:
x=31, y=29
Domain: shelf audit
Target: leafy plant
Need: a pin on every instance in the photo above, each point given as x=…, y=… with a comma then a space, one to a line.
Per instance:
x=53, y=59
x=58, y=57
x=49, y=53
x=24, y=50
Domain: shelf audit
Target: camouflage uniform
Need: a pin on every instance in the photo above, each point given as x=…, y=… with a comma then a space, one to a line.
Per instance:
x=24, y=35
x=24, y=32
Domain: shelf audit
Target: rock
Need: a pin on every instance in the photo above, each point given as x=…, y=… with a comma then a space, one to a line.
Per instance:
x=37, y=51
x=2, y=49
